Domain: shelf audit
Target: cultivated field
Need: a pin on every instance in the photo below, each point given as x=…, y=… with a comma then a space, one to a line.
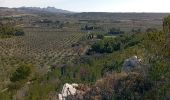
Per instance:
x=40, y=46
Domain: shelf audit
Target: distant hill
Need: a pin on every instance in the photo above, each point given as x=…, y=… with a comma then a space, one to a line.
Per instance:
x=48, y=9
x=5, y=11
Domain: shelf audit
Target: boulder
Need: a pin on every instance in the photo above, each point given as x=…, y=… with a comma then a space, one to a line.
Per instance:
x=68, y=89
x=131, y=64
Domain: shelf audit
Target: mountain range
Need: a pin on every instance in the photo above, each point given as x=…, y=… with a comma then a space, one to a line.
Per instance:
x=5, y=11
x=47, y=9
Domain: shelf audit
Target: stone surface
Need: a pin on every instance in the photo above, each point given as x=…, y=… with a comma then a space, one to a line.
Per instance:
x=131, y=63
x=68, y=89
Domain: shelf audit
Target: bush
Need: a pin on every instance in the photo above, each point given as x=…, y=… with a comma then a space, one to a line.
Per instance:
x=115, y=31
x=134, y=86
x=116, y=66
x=157, y=70
x=151, y=30
x=120, y=86
x=109, y=45
x=21, y=73
x=100, y=36
x=19, y=32
x=7, y=30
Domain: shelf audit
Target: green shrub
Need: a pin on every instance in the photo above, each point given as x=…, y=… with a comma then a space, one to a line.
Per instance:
x=166, y=24
x=157, y=70
x=39, y=91
x=19, y=32
x=116, y=66
x=21, y=73
x=109, y=45
x=115, y=31
x=100, y=36
x=7, y=30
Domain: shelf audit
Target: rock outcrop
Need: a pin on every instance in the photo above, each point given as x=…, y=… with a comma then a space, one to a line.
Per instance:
x=73, y=91
x=131, y=64
x=68, y=89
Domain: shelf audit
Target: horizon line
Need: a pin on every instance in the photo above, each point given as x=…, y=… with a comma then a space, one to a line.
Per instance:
x=85, y=11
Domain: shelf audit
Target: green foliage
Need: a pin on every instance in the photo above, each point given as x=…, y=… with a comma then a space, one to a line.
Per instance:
x=151, y=30
x=18, y=32
x=96, y=67
x=157, y=57
x=91, y=27
x=21, y=73
x=115, y=66
x=109, y=45
x=154, y=51
x=100, y=36
x=156, y=54
x=166, y=28
x=115, y=31
x=5, y=96
x=166, y=24
x=158, y=70
x=39, y=91
x=135, y=31
x=7, y=30
x=154, y=44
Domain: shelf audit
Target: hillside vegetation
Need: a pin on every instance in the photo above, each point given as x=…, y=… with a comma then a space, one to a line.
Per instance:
x=51, y=50
x=152, y=81
x=7, y=30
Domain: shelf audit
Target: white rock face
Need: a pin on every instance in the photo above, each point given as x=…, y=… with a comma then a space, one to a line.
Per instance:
x=131, y=63
x=68, y=89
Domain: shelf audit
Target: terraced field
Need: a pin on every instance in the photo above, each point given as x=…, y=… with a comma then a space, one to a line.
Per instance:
x=40, y=46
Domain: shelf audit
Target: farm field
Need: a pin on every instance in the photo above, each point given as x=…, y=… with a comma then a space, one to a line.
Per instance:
x=40, y=46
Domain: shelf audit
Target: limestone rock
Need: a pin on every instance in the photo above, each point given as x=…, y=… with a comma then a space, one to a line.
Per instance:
x=68, y=89
x=131, y=64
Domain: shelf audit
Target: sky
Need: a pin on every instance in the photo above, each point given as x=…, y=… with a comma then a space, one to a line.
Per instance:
x=94, y=5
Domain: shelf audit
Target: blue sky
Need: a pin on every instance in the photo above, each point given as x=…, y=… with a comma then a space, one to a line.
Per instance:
x=95, y=5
